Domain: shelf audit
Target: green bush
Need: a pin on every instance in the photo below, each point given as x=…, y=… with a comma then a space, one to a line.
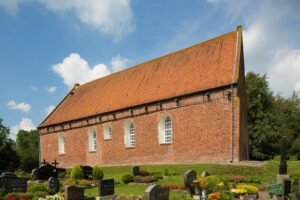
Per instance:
x=144, y=173
x=144, y=179
x=275, y=188
x=76, y=173
x=97, y=173
x=277, y=158
x=293, y=158
x=127, y=178
x=21, y=173
x=39, y=194
x=37, y=187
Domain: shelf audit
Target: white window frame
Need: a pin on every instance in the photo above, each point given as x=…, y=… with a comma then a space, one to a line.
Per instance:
x=165, y=130
x=107, y=132
x=92, y=138
x=61, y=143
x=129, y=135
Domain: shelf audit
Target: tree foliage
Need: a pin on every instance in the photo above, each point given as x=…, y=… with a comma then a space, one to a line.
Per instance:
x=27, y=149
x=8, y=156
x=269, y=118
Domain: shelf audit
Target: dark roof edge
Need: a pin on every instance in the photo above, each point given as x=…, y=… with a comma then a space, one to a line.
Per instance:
x=135, y=106
x=75, y=86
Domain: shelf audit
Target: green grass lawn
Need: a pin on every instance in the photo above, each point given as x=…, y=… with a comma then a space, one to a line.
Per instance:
x=263, y=173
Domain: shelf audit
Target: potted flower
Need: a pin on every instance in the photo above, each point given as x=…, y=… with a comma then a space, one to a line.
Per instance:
x=200, y=185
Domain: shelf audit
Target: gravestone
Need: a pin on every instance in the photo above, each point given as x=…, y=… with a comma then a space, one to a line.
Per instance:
x=54, y=184
x=74, y=193
x=156, y=192
x=283, y=164
x=44, y=172
x=106, y=187
x=9, y=182
x=204, y=174
x=287, y=187
x=87, y=172
x=136, y=171
x=188, y=178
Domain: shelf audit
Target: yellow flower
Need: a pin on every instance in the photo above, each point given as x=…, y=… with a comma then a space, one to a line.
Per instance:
x=221, y=184
x=240, y=191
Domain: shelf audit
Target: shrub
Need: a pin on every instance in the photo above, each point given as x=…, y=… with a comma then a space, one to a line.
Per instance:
x=249, y=188
x=76, y=173
x=97, y=173
x=276, y=158
x=144, y=173
x=23, y=174
x=144, y=179
x=37, y=187
x=293, y=158
x=39, y=194
x=275, y=188
x=166, y=172
x=127, y=178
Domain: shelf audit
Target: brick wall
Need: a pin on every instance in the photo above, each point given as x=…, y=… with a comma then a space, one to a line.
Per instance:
x=201, y=132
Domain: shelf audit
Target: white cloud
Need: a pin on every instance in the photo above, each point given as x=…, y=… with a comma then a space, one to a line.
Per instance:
x=13, y=105
x=49, y=109
x=11, y=6
x=75, y=69
x=25, y=124
x=51, y=89
x=119, y=63
x=111, y=17
x=269, y=44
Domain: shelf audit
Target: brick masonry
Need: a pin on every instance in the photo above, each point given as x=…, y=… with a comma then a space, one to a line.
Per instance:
x=201, y=132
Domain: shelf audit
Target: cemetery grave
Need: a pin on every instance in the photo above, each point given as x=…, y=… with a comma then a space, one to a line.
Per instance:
x=176, y=182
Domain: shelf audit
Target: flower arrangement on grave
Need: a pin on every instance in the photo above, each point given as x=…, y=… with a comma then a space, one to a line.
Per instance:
x=239, y=192
x=249, y=188
x=216, y=196
x=175, y=187
x=200, y=184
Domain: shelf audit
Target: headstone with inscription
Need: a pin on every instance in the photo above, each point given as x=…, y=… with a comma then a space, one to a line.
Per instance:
x=106, y=187
x=188, y=178
x=9, y=182
x=287, y=187
x=74, y=193
x=54, y=184
x=156, y=192
x=136, y=171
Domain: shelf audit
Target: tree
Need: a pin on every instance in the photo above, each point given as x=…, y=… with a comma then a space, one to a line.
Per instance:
x=27, y=149
x=8, y=156
x=263, y=137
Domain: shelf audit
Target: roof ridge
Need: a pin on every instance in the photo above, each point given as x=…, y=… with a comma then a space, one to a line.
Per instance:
x=163, y=56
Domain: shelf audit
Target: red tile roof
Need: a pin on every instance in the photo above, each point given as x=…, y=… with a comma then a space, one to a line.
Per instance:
x=203, y=66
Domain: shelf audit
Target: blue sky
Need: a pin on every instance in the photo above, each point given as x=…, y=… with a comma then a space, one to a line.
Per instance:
x=48, y=45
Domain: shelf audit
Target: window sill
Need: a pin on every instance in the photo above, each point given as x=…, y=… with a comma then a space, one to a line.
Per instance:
x=61, y=154
x=166, y=143
x=130, y=147
x=93, y=151
x=107, y=139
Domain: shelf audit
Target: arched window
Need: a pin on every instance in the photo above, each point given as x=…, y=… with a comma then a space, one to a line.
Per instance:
x=107, y=132
x=165, y=130
x=92, y=139
x=61, y=143
x=129, y=134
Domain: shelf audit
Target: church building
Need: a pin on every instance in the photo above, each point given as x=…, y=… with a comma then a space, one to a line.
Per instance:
x=185, y=107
